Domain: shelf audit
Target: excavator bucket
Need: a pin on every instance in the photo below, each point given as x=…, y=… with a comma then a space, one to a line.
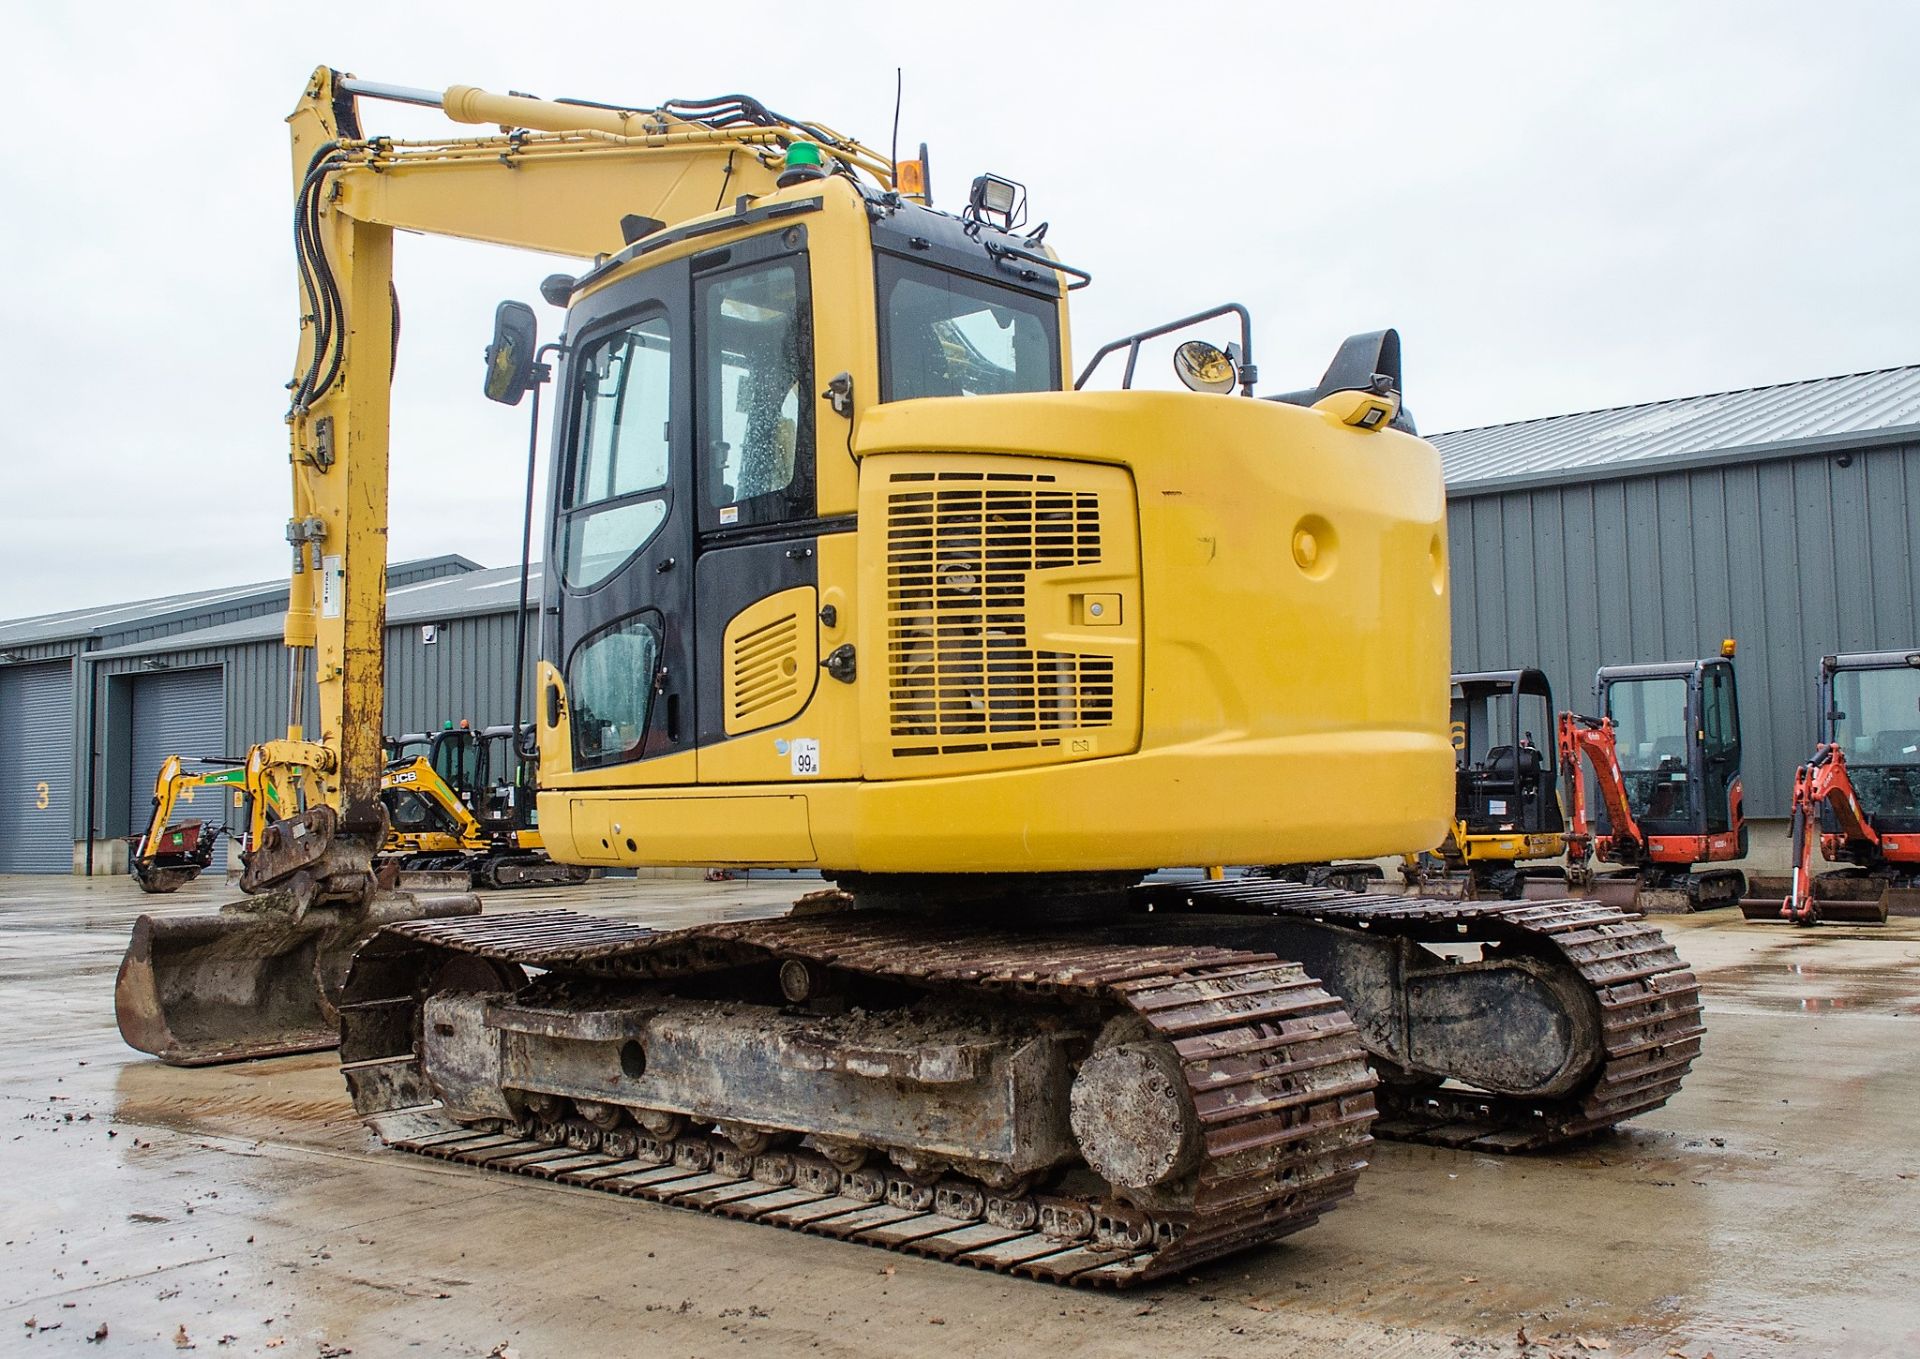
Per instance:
x=258, y=978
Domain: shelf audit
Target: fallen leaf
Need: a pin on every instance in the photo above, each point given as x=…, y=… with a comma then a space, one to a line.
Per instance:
x=276, y=1341
x=98, y=1335
x=1521, y=1336
x=936, y=1321
x=180, y=1340
x=502, y=1351
x=890, y=1270
x=31, y=1322
x=1469, y=1278
x=1591, y=1343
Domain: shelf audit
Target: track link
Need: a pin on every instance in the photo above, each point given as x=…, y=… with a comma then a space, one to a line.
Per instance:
x=1649, y=1004
x=1272, y=1064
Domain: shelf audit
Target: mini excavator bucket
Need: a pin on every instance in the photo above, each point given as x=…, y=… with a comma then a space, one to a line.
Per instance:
x=258, y=978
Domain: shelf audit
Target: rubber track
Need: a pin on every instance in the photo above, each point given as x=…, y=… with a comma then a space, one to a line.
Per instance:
x=1273, y=1065
x=1649, y=1005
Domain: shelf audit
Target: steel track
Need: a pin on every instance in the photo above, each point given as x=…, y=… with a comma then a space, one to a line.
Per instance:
x=1648, y=1002
x=1273, y=1066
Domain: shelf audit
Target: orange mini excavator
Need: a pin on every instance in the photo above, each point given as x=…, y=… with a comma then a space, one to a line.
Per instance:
x=1858, y=798
x=1665, y=755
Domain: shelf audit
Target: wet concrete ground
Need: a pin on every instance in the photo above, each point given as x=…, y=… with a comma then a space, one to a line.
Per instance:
x=1773, y=1208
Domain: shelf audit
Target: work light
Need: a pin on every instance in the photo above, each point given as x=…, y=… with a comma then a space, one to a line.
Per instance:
x=997, y=200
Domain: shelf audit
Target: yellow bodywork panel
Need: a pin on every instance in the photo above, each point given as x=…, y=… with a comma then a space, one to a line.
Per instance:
x=685, y=827
x=771, y=660
x=1286, y=624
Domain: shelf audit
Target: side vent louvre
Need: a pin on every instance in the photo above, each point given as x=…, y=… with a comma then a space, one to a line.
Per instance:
x=960, y=548
x=770, y=656
x=765, y=667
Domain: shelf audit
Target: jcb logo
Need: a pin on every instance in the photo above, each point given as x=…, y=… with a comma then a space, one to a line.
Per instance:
x=407, y=777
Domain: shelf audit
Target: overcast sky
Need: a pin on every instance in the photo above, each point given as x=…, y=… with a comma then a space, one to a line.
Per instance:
x=1561, y=206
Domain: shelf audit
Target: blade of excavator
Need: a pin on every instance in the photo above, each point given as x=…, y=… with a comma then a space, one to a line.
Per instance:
x=258, y=978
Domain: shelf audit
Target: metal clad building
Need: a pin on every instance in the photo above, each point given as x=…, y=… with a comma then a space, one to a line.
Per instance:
x=151, y=667
x=449, y=655
x=1786, y=517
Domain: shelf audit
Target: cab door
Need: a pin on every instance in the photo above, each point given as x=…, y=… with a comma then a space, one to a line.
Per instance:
x=1719, y=744
x=756, y=588
x=619, y=574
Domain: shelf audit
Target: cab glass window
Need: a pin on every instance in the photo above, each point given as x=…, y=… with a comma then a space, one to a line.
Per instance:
x=617, y=495
x=1650, y=723
x=948, y=334
x=758, y=392
x=610, y=686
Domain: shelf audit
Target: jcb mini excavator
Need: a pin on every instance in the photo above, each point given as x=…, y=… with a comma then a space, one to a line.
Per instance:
x=1665, y=757
x=848, y=571
x=170, y=853
x=458, y=802
x=1506, y=801
x=1858, y=797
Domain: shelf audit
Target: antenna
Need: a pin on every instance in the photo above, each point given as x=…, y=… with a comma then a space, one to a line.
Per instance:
x=893, y=147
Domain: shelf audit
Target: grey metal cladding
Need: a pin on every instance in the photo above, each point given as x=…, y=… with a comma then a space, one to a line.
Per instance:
x=36, y=768
x=1793, y=557
x=1848, y=411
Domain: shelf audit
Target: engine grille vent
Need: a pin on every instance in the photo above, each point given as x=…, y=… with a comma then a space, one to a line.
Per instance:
x=765, y=670
x=960, y=546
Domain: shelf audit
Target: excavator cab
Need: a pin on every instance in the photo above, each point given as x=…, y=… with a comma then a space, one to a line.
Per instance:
x=1870, y=709
x=1858, y=798
x=1677, y=733
x=1506, y=790
x=1663, y=782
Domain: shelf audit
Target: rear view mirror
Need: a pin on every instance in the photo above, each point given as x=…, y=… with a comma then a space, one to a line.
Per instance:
x=510, y=358
x=1204, y=367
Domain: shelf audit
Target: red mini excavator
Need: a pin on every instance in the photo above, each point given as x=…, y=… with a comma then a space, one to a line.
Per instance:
x=1665, y=755
x=1858, y=797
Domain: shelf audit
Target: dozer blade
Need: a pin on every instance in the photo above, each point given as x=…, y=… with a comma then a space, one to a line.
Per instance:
x=434, y=880
x=1615, y=891
x=1835, y=911
x=256, y=979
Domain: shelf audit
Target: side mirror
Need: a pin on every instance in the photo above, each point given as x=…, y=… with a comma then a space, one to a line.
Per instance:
x=1204, y=367
x=510, y=358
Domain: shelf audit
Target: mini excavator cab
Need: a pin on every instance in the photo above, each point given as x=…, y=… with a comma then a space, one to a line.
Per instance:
x=1665, y=761
x=1870, y=709
x=1677, y=732
x=1507, y=783
x=1506, y=787
x=1858, y=798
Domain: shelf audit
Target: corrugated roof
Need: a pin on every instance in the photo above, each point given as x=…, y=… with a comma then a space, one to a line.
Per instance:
x=1786, y=418
x=429, y=601
x=107, y=620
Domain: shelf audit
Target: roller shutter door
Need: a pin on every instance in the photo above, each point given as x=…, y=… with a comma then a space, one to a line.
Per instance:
x=180, y=712
x=36, y=768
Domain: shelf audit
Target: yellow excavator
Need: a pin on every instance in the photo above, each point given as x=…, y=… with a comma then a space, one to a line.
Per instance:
x=171, y=852
x=458, y=803
x=849, y=570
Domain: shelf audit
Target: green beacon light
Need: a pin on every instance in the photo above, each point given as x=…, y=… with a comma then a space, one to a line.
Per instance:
x=803, y=163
